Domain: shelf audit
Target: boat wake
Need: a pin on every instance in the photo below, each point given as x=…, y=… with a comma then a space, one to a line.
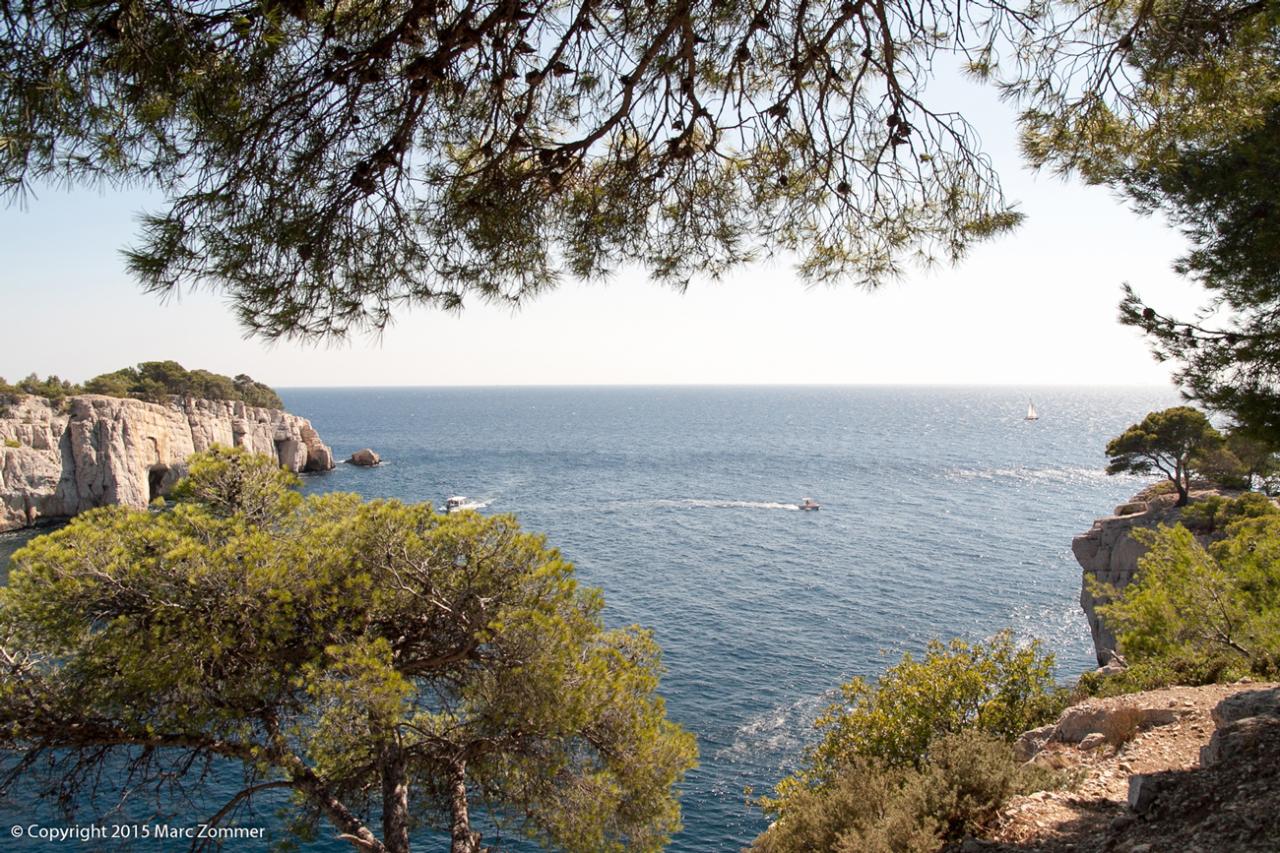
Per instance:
x=1065, y=475
x=779, y=735
x=701, y=503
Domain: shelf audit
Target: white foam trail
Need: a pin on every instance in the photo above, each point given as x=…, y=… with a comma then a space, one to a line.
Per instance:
x=782, y=731
x=1031, y=475
x=701, y=503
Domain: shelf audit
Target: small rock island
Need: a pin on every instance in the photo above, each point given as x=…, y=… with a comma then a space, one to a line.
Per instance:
x=365, y=458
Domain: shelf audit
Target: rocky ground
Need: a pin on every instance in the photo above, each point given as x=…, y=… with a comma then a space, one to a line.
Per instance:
x=1192, y=770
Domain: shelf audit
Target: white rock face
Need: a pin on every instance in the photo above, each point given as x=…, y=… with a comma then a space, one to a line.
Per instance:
x=92, y=450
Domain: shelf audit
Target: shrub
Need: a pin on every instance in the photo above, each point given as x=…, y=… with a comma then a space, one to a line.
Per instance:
x=996, y=687
x=51, y=387
x=1152, y=674
x=1256, y=463
x=870, y=806
x=1163, y=487
x=1201, y=615
x=920, y=756
x=157, y=381
x=1215, y=512
x=12, y=442
x=110, y=384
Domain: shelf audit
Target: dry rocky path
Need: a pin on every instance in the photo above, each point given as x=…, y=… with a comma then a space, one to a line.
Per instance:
x=1179, y=770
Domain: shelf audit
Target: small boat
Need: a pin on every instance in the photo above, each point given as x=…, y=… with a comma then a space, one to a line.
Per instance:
x=454, y=503
x=810, y=505
x=1031, y=412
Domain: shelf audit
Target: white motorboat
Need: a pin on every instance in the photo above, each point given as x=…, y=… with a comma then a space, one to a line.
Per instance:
x=454, y=503
x=810, y=505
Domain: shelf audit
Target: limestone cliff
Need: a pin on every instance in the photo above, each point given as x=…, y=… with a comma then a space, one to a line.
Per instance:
x=58, y=459
x=1109, y=553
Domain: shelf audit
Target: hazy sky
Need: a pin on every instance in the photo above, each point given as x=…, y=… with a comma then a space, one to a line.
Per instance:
x=1034, y=308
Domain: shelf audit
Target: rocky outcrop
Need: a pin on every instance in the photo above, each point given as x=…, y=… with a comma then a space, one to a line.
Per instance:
x=1247, y=724
x=61, y=458
x=1108, y=553
x=1201, y=771
x=365, y=458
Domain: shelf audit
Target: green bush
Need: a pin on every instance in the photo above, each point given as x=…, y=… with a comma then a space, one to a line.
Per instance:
x=1164, y=487
x=110, y=384
x=870, y=806
x=1251, y=462
x=157, y=381
x=12, y=442
x=52, y=387
x=920, y=756
x=1216, y=512
x=1153, y=674
x=996, y=687
x=1197, y=615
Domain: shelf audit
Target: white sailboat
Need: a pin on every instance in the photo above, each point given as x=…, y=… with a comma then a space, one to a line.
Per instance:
x=1031, y=412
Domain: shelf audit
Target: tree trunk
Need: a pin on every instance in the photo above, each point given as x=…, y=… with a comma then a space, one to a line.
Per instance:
x=464, y=840
x=348, y=824
x=395, y=800
x=309, y=783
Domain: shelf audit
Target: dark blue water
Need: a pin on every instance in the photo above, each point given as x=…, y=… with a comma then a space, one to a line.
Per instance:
x=944, y=513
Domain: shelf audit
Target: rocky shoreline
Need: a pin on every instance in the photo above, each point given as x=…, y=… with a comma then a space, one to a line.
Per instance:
x=59, y=458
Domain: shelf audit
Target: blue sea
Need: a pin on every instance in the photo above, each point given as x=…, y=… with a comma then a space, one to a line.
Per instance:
x=944, y=513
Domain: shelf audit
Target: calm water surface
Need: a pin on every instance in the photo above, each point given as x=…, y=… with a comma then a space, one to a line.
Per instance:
x=944, y=513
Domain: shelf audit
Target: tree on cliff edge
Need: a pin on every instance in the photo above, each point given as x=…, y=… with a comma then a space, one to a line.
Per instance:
x=368, y=658
x=1174, y=442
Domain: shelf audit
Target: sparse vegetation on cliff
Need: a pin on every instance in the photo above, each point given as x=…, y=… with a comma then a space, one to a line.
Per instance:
x=158, y=380
x=1197, y=614
x=155, y=382
x=921, y=757
x=51, y=387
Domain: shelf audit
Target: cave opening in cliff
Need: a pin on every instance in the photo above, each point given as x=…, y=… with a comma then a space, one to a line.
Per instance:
x=155, y=481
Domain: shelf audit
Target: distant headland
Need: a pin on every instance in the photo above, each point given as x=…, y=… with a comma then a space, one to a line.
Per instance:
x=123, y=437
